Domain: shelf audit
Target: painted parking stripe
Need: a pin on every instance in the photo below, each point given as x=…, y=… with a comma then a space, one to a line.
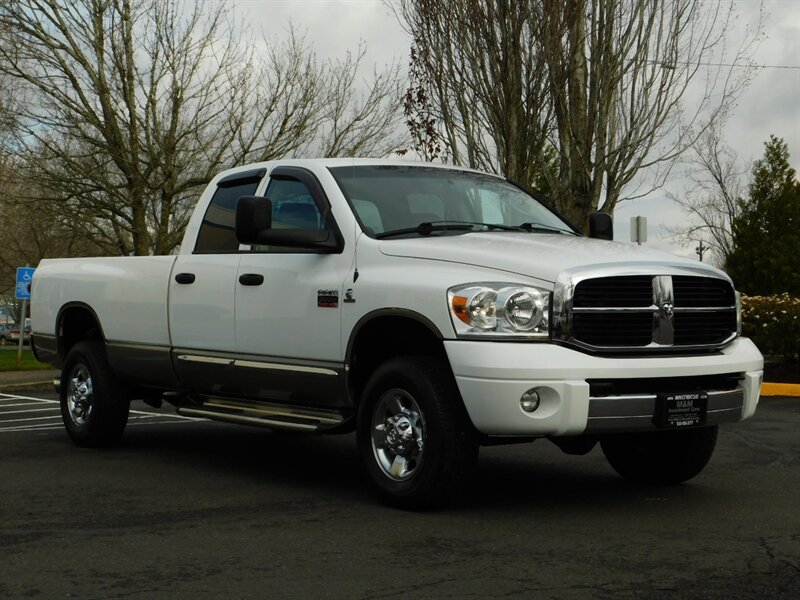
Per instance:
x=30, y=419
x=32, y=404
x=15, y=429
x=18, y=397
x=30, y=410
x=57, y=423
x=133, y=412
x=3, y=401
x=61, y=427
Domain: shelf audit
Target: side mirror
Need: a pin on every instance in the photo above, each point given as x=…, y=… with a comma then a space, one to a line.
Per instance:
x=253, y=216
x=601, y=226
x=254, y=226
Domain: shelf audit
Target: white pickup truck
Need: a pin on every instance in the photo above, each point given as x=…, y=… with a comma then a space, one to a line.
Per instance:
x=430, y=309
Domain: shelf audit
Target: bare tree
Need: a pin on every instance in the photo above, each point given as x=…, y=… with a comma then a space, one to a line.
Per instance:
x=132, y=105
x=31, y=232
x=8, y=120
x=713, y=198
x=486, y=82
x=613, y=87
x=357, y=123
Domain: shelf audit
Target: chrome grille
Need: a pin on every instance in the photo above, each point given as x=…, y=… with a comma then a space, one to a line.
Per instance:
x=647, y=312
x=631, y=291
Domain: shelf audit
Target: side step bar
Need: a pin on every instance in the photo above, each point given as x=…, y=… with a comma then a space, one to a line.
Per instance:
x=273, y=416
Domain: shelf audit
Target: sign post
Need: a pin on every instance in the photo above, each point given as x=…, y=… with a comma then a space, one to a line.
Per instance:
x=23, y=292
x=639, y=230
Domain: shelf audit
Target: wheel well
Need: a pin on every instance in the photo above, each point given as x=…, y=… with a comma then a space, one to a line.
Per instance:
x=77, y=324
x=387, y=337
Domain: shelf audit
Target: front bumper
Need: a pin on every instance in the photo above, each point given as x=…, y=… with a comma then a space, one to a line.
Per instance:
x=492, y=377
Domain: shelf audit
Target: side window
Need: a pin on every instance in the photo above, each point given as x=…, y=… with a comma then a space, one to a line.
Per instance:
x=216, y=235
x=292, y=205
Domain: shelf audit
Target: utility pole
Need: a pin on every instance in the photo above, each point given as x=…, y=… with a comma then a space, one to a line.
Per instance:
x=700, y=250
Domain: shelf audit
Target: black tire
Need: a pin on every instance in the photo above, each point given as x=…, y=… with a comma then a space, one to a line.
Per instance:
x=660, y=457
x=433, y=473
x=94, y=405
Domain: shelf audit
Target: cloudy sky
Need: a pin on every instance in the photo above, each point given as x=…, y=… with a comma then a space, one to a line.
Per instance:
x=771, y=105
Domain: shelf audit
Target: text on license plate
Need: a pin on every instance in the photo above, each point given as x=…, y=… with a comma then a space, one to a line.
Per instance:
x=681, y=410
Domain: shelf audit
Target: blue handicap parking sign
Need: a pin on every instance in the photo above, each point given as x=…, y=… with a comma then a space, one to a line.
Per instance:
x=24, y=278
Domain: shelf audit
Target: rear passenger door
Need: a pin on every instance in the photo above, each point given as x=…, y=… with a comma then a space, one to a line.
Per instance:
x=202, y=288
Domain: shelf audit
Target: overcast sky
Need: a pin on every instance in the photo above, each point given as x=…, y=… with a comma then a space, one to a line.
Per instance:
x=771, y=105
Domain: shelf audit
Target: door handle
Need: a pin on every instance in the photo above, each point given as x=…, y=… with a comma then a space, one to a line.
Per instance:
x=184, y=278
x=251, y=279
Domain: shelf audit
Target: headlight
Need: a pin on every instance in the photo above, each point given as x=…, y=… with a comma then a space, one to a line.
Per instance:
x=500, y=310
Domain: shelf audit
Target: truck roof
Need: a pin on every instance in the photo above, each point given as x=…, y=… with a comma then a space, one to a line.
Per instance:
x=345, y=162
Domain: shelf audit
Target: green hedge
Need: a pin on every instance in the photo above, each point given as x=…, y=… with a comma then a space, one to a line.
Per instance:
x=773, y=323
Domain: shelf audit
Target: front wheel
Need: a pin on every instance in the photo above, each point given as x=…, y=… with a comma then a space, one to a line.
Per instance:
x=415, y=439
x=94, y=406
x=660, y=457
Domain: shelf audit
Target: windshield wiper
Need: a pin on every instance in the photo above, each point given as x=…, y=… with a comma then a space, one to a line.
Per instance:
x=429, y=227
x=426, y=229
x=541, y=228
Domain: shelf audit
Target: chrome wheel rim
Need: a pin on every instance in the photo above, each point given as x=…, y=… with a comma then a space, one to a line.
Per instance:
x=398, y=435
x=80, y=395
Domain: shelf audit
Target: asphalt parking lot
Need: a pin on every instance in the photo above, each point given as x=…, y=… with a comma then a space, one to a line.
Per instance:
x=193, y=509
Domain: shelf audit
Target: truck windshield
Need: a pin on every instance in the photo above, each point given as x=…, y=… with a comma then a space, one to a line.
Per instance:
x=408, y=201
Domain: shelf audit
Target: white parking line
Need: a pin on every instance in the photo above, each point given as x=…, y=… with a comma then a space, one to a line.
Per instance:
x=60, y=426
x=53, y=422
x=30, y=419
x=17, y=397
x=30, y=410
x=152, y=414
x=4, y=400
x=32, y=428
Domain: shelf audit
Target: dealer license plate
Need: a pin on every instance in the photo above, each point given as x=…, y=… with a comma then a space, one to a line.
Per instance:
x=681, y=410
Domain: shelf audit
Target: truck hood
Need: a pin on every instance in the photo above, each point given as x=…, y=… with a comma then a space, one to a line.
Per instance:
x=542, y=256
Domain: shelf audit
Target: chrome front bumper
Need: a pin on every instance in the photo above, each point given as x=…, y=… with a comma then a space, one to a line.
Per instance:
x=616, y=414
x=492, y=377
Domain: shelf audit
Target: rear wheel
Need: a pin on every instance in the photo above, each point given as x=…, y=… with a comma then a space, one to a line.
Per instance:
x=661, y=457
x=94, y=406
x=415, y=439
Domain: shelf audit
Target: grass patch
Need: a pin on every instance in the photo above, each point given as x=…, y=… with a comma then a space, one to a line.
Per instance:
x=8, y=361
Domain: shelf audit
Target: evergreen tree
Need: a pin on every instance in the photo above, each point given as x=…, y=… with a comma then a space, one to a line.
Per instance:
x=766, y=236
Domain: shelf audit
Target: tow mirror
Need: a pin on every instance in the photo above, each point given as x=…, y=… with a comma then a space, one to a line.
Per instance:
x=253, y=216
x=601, y=226
x=254, y=227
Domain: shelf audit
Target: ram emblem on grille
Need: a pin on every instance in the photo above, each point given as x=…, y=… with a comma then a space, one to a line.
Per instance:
x=668, y=310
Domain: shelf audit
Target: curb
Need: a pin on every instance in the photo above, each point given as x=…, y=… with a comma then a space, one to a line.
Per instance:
x=27, y=380
x=30, y=385
x=780, y=389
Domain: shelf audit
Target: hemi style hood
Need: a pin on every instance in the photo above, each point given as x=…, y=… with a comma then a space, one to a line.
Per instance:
x=542, y=256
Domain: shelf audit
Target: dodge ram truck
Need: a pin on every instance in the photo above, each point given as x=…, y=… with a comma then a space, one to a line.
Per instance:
x=430, y=309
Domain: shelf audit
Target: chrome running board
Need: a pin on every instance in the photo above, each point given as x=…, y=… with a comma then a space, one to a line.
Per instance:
x=273, y=416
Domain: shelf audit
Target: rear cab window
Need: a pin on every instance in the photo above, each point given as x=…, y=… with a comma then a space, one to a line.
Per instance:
x=216, y=235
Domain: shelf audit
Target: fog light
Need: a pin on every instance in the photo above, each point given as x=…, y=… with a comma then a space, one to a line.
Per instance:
x=529, y=401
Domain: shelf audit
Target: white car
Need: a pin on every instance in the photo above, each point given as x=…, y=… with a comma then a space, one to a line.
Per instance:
x=431, y=309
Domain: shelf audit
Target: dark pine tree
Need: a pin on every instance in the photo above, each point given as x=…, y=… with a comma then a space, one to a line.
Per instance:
x=766, y=236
